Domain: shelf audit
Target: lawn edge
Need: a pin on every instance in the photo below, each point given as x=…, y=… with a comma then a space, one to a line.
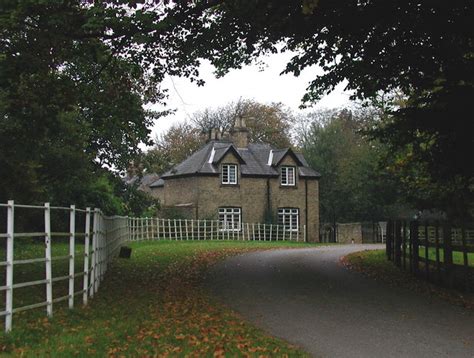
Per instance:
x=406, y=280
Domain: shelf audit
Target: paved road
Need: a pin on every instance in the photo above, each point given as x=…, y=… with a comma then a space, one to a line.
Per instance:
x=306, y=297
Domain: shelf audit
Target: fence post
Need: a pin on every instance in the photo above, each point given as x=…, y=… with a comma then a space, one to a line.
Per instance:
x=85, y=286
x=72, y=245
x=465, y=256
x=187, y=231
x=132, y=229
x=404, y=245
x=398, y=253
x=415, y=257
x=149, y=228
x=49, y=274
x=9, y=268
x=438, y=264
x=448, y=254
x=427, y=259
x=94, y=254
x=99, y=252
x=388, y=240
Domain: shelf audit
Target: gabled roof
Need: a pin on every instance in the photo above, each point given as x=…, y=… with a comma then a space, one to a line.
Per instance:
x=221, y=151
x=254, y=161
x=279, y=154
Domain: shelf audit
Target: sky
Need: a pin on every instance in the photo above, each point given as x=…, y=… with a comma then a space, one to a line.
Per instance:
x=250, y=82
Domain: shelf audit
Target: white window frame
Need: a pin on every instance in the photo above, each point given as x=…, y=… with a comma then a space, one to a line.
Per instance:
x=230, y=219
x=289, y=218
x=288, y=176
x=226, y=175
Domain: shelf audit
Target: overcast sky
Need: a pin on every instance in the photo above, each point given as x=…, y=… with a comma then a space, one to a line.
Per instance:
x=249, y=82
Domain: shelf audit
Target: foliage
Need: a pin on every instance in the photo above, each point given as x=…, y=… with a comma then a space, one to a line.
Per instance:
x=374, y=45
x=430, y=154
x=74, y=77
x=152, y=304
x=421, y=49
x=172, y=147
x=353, y=187
x=173, y=213
x=136, y=202
x=267, y=123
x=69, y=104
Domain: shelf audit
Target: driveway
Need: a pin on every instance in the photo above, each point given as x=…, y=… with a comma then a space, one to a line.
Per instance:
x=306, y=297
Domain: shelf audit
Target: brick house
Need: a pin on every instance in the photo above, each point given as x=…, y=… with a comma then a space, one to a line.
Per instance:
x=239, y=182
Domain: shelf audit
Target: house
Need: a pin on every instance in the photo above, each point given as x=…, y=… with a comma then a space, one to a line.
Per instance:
x=239, y=182
x=143, y=182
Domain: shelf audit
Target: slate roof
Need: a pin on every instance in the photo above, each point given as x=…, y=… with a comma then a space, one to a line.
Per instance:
x=254, y=161
x=142, y=181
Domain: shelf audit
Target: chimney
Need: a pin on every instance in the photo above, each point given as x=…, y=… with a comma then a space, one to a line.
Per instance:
x=239, y=133
x=213, y=134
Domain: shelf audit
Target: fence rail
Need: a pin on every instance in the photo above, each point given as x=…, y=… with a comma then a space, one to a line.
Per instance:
x=53, y=254
x=187, y=229
x=434, y=250
x=100, y=237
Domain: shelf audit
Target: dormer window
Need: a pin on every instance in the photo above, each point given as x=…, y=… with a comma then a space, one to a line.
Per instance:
x=229, y=174
x=288, y=176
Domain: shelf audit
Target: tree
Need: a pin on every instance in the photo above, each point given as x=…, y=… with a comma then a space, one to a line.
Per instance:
x=69, y=105
x=267, y=123
x=353, y=187
x=421, y=48
x=84, y=70
x=175, y=145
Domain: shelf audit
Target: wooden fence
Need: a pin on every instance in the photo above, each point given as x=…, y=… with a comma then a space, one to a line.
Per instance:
x=54, y=254
x=89, y=241
x=434, y=250
x=183, y=229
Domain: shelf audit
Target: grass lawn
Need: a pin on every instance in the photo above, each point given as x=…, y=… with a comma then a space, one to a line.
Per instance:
x=458, y=257
x=374, y=264
x=151, y=304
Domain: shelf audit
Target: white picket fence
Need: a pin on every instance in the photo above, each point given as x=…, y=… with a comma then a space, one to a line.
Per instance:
x=186, y=229
x=100, y=237
x=90, y=240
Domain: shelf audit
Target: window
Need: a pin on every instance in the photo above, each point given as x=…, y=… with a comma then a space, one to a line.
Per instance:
x=289, y=218
x=230, y=219
x=288, y=176
x=229, y=174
